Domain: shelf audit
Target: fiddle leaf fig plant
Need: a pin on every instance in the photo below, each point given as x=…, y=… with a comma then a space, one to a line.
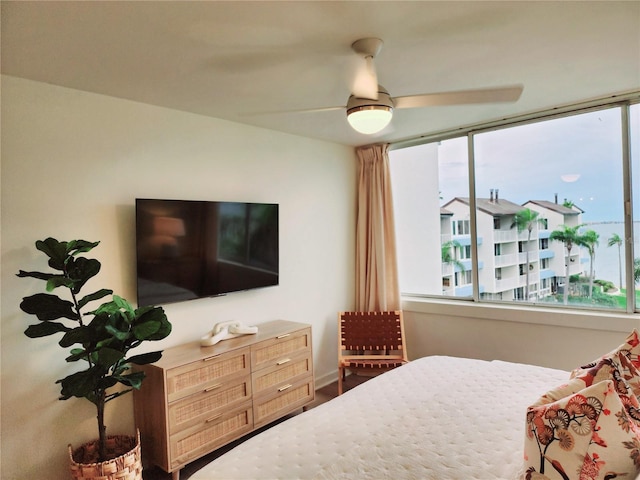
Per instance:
x=100, y=338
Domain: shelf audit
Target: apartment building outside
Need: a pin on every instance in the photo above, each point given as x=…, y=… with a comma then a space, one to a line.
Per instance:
x=503, y=252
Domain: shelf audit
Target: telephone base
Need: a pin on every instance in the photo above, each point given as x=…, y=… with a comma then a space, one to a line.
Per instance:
x=226, y=330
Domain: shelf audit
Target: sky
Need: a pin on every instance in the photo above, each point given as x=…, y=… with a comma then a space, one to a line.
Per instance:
x=579, y=158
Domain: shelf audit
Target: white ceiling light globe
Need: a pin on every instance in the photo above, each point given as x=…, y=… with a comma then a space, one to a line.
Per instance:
x=370, y=119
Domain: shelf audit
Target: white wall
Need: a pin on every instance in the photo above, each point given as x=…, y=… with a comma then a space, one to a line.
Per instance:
x=553, y=337
x=72, y=165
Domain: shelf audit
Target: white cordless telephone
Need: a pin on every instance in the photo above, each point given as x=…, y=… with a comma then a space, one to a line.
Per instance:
x=226, y=330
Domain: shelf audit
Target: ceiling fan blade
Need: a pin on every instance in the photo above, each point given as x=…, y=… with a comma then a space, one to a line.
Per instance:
x=365, y=82
x=282, y=112
x=461, y=97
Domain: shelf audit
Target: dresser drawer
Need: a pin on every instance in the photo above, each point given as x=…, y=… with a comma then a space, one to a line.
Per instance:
x=210, y=434
x=208, y=403
x=285, y=399
x=288, y=370
x=269, y=352
x=194, y=377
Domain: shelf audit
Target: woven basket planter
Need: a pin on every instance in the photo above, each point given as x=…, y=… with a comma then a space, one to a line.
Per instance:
x=126, y=463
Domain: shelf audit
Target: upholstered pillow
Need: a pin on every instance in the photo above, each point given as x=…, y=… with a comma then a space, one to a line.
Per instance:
x=583, y=433
x=613, y=366
x=630, y=348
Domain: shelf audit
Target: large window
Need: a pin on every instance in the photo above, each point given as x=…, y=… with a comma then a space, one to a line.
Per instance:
x=546, y=224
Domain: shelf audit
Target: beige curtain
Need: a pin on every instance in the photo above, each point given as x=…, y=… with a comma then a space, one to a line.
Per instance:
x=376, y=268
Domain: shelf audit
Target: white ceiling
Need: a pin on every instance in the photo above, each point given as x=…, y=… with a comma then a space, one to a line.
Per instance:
x=234, y=59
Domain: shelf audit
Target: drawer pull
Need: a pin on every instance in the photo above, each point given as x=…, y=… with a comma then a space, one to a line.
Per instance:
x=282, y=389
x=213, y=387
x=210, y=358
x=283, y=336
x=283, y=361
x=214, y=418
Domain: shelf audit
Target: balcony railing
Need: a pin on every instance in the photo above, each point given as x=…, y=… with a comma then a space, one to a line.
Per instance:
x=505, y=260
x=503, y=236
x=506, y=284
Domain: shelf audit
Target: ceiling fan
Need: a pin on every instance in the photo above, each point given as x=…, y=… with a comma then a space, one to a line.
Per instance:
x=370, y=107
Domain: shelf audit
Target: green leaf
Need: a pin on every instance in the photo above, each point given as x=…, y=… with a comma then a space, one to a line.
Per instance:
x=118, y=334
x=145, y=358
x=38, y=275
x=80, y=384
x=55, y=250
x=77, y=354
x=59, y=281
x=123, y=304
x=132, y=380
x=108, y=308
x=81, y=335
x=109, y=356
x=154, y=315
x=44, y=329
x=48, y=307
x=146, y=330
x=94, y=296
x=75, y=247
x=81, y=270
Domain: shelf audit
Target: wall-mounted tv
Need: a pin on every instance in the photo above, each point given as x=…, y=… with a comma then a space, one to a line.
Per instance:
x=188, y=249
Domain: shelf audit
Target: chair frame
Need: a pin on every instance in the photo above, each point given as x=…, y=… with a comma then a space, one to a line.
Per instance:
x=363, y=353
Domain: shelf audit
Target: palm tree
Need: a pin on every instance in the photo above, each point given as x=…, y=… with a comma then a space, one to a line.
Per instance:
x=568, y=236
x=636, y=270
x=526, y=219
x=590, y=240
x=616, y=240
x=448, y=253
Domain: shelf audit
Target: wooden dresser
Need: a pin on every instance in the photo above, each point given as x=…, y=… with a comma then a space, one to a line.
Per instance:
x=196, y=399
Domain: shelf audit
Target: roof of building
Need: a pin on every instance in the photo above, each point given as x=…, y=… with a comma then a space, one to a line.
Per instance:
x=444, y=211
x=494, y=207
x=556, y=207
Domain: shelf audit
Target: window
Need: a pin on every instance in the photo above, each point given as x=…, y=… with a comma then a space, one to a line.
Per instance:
x=463, y=278
x=619, y=245
x=422, y=177
x=543, y=187
x=461, y=227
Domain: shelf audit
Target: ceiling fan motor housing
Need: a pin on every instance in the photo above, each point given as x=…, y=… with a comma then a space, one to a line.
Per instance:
x=384, y=101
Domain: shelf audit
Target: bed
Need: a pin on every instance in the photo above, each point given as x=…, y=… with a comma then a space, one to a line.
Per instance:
x=433, y=418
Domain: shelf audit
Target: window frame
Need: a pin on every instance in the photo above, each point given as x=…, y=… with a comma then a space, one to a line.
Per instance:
x=624, y=102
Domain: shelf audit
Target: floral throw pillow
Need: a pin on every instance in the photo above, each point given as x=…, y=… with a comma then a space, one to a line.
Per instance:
x=585, y=433
x=630, y=349
x=614, y=366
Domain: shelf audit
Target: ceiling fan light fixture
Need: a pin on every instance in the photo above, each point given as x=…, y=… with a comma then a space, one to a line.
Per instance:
x=370, y=116
x=369, y=119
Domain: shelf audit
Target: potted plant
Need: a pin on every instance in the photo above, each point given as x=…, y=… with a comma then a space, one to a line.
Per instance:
x=101, y=338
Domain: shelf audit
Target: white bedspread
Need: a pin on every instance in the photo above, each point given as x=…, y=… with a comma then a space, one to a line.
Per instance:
x=434, y=418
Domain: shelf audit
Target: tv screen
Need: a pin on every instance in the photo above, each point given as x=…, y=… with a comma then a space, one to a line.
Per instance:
x=189, y=249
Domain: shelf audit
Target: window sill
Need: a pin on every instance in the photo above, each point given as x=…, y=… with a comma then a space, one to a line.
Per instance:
x=557, y=316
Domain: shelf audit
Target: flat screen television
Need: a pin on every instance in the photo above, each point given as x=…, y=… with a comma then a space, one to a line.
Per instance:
x=188, y=249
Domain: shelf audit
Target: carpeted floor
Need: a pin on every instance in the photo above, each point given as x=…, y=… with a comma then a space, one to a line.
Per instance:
x=323, y=394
